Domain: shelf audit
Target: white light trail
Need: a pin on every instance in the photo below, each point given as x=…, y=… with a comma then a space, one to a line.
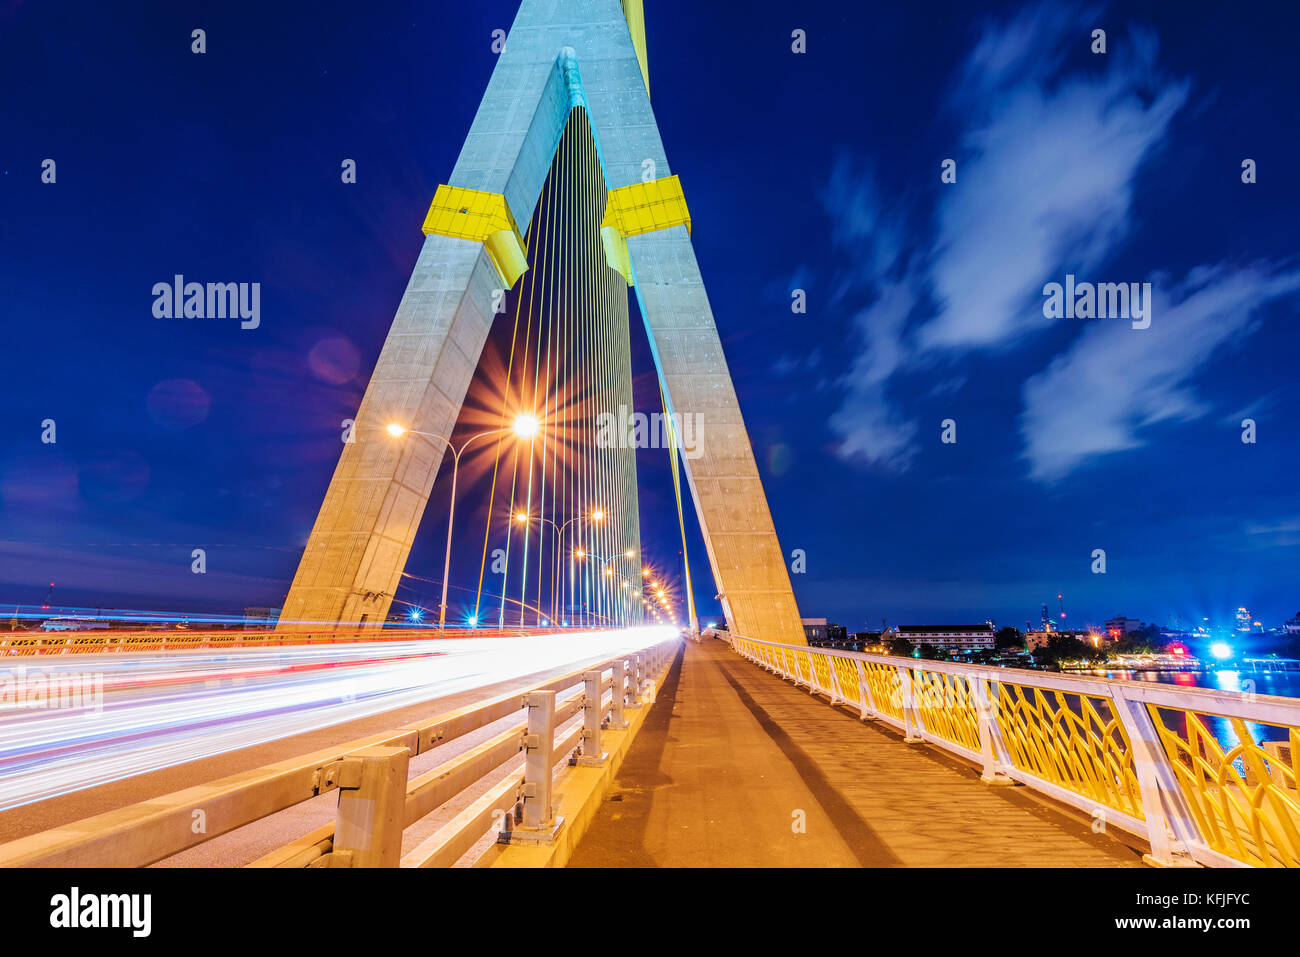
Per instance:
x=159, y=710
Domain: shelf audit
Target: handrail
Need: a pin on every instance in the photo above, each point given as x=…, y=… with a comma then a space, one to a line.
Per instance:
x=1205, y=777
x=363, y=771
x=99, y=642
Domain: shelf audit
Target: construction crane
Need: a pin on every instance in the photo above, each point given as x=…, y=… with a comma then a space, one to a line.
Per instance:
x=49, y=596
x=1062, y=601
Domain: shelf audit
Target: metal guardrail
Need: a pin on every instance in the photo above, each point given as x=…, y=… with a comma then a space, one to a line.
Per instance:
x=376, y=799
x=118, y=642
x=1205, y=777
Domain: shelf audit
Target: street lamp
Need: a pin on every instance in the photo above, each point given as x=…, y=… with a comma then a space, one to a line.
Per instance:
x=607, y=563
x=596, y=516
x=525, y=426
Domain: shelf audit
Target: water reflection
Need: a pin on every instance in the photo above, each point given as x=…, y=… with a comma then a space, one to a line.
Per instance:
x=1283, y=683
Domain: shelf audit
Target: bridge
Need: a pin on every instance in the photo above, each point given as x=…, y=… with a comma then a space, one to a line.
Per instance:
x=635, y=749
x=556, y=715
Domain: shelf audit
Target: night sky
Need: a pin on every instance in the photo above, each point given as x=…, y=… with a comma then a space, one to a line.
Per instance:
x=817, y=171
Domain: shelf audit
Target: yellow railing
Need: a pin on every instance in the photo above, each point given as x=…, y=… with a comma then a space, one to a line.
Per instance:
x=1076, y=741
x=1204, y=776
x=946, y=705
x=885, y=684
x=1242, y=794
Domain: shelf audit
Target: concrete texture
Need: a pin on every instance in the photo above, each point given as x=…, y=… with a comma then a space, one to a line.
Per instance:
x=560, y=54
x=738, y=768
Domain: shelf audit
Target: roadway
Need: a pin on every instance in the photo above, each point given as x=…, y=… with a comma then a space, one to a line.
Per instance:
x=149, y=724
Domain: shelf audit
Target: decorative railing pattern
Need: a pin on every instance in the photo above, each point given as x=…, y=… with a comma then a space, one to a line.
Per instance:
x=1076, y=741
x=1206, y=777
x=1243, y=797
x=946, y=705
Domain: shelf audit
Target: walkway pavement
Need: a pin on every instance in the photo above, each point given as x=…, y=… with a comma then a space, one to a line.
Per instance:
x=736, y=767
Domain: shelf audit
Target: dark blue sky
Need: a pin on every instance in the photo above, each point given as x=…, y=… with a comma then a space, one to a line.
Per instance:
x=817, y=171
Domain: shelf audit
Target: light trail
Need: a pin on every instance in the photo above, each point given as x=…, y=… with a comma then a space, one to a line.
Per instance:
x=140, y=713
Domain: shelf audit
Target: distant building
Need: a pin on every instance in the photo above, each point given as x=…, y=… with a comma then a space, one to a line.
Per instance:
x=1039, y=639
x=1292, y=625
x=1119, y=626
x=257, y=619
x=836, y=634
x=949, y=637
x=814, y=629
x=871, y=641
x=1243, y=620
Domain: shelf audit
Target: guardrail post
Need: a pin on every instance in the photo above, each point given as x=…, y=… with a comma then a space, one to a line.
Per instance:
x=540, y=824
x=911, y=722
x=837, y=694
x=1169, y=821
x=637, y=676
x=991, y=750
x=616, y=720
x=866, y=703
x=592, y=713
x=372, y=808
x=814, y=683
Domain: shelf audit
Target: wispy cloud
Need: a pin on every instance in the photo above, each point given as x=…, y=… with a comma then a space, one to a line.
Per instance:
x=1047, y=171
x=870, y=428
x=1114, y=381
x=1049, y=183
x=788, y=364
x=861, y=220
x=1280, y=534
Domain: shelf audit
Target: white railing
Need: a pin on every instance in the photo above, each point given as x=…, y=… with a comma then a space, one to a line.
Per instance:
x=1204, y=776
x=377, y=798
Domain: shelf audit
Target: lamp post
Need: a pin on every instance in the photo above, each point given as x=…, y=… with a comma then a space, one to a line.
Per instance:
x=558, y=538
x=607, y=562
x=525, y=426
x=653, y=595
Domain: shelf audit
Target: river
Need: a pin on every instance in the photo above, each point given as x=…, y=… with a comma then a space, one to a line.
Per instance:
x=1285, y=683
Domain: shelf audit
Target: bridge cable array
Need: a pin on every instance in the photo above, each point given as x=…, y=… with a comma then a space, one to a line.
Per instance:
x=572, y=529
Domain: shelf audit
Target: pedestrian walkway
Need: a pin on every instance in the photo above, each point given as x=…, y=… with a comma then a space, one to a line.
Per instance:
x=736, y=767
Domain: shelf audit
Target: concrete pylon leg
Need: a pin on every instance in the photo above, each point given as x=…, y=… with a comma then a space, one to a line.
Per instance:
x=743, y=549
x=372, y=509
x=367, y=523
x=557, y=57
